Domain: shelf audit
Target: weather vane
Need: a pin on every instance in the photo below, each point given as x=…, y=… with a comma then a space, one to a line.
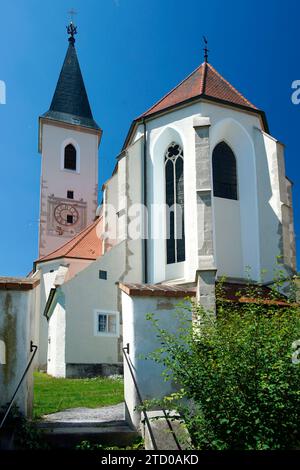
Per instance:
x=206, y=50
x=71, y=28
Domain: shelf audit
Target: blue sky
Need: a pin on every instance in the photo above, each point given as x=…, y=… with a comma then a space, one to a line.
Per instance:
x=131, y=53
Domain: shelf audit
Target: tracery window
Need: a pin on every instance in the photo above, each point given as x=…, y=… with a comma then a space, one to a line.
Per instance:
x=174, y=183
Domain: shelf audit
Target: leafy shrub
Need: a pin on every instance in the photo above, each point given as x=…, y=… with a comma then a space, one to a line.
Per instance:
x=26, y=435
x=239, y=386
x=138, y=444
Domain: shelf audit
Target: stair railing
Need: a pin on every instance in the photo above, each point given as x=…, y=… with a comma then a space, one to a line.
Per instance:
x=33, y=350
x=147, y=421
x=130, y=367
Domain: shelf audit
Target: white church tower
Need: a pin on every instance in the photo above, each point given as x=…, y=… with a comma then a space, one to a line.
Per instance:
x=68, y=141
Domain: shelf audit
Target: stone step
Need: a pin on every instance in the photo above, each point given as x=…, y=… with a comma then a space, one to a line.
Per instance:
x=69, y=435
x=105, y=425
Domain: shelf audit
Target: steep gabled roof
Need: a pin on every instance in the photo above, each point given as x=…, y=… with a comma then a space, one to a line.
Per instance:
x=86, y=245
x=70, y=102
x=205, y=81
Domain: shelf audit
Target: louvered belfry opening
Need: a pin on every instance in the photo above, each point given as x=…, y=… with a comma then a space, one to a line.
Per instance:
x=224, y=172
x=174, y=182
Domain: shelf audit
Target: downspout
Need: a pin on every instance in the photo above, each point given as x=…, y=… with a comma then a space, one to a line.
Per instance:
x=145, y=206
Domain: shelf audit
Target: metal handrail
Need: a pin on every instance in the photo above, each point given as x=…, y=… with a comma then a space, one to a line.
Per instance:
x=126, y=355
x=171, y=429
x=33, y=349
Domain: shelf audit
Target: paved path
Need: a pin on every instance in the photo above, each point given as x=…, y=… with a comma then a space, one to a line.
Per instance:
x=104, y=414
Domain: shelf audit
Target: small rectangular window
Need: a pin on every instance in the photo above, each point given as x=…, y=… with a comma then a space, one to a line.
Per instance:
x=103, y=275
x=69, y=219
x=102, y=323
x=70, y=194
x=106, y=323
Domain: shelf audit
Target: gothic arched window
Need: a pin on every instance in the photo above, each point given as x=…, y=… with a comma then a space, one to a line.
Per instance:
x=175, y=201
x=224, y=172
x=70, y=157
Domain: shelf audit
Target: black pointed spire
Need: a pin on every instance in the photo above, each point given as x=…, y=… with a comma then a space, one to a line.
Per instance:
x=70, y=102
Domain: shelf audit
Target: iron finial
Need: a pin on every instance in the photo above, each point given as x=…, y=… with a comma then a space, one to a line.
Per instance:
x=206, y=50
x=72, y=28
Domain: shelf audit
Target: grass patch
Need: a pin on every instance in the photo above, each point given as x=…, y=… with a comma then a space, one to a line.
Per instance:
x=52, y=395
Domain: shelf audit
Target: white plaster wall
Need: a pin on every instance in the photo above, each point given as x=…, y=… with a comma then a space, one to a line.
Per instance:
x=47, y=280
x=269, y=201
x=130, y=393
x=273, y=198
x=17, y=328
x=134, y=198
x=56, y=363
x=236, y=127
x=47, y=283
x=57, y=181
x=228, y=240
x=138, y=332
x=246, y=219
x=85, y=293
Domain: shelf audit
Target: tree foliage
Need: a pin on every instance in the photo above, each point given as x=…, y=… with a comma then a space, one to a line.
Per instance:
x=239, y=388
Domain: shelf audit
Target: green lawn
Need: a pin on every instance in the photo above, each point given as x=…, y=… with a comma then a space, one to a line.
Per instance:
x=52, y=395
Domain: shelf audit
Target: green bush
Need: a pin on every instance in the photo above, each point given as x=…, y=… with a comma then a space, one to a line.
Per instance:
x=239, y=386
x=138, y=444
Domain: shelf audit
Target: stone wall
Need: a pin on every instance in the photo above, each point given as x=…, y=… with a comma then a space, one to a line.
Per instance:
x=18, y=327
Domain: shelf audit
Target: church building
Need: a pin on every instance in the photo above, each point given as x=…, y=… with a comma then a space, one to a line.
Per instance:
x=198, y=192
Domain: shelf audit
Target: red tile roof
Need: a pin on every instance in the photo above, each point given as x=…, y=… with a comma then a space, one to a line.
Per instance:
x=86, y=245
x=230, y=292
x=16, y=283
x=157, y=290
x=205, y=81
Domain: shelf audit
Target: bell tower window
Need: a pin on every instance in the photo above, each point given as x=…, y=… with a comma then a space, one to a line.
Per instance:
x=174, y=186
x=70, y=157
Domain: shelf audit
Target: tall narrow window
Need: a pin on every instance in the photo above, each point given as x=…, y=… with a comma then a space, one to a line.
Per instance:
x=224, y=172
x=70, y=157
x=175, y=203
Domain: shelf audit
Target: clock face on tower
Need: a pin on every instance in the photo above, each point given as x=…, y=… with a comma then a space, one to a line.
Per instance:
x=65, y=218
x=66, y=214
